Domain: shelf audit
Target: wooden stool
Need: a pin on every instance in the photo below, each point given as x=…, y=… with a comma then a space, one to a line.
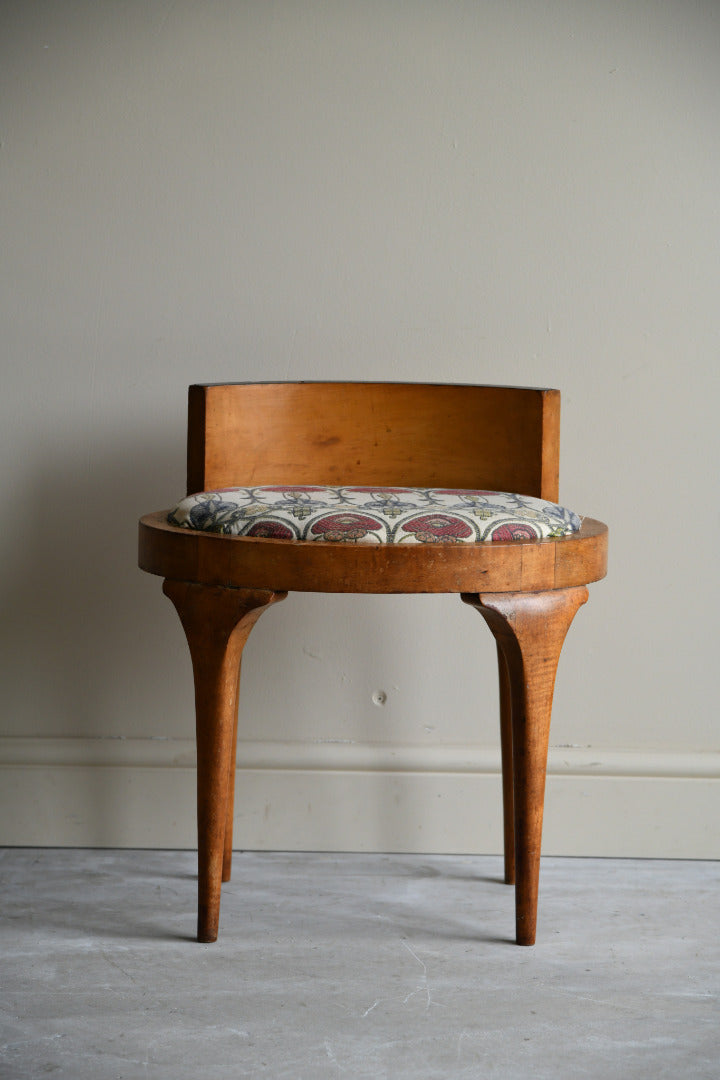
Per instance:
x=524, y=566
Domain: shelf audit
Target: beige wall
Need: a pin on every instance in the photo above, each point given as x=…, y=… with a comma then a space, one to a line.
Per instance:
x=465, y=191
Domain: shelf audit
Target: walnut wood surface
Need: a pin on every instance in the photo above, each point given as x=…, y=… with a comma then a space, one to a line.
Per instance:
x=506, y=757
x=530, y=629
x=407, y=434
x=321, y=566
x=232, y=770
x=217, y=623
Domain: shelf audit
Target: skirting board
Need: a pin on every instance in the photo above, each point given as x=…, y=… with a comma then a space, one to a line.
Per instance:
x=140, y=793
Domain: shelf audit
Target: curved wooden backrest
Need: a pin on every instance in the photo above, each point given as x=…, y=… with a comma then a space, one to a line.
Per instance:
x=407, y=434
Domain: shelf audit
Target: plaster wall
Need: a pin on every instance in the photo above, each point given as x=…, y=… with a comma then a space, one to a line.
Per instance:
x=465, y=192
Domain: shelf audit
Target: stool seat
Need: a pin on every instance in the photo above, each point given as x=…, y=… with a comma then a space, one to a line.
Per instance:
x=373, y=515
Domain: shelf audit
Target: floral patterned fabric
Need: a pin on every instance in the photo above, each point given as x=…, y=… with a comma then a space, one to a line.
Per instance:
x=369, y=515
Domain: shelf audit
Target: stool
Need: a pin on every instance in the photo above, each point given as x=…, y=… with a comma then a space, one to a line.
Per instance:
x=374, y=488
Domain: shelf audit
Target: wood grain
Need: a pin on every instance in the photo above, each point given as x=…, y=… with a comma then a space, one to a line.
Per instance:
x=530, y=629
x=409, y=434
x=217, y=623
x=320, y=566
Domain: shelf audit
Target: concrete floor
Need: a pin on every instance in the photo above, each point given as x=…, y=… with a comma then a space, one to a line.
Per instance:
x=356, y=966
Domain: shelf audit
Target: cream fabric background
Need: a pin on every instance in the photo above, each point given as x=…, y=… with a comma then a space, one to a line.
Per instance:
x=469, y=191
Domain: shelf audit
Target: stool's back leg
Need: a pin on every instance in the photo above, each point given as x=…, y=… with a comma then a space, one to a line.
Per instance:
x=230, y=810
x=507, y=766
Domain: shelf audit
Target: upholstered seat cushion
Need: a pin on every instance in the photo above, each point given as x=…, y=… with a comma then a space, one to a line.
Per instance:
x=373, y=515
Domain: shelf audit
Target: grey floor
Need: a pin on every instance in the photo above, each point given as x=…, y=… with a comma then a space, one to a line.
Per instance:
x=356, y=966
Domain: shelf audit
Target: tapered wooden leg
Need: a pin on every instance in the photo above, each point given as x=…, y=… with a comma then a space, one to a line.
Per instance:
x=217, y=622
x=230, y=802
x=507, y=767
x=530, y=629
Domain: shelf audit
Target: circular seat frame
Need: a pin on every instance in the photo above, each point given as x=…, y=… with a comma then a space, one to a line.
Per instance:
x=319, y=566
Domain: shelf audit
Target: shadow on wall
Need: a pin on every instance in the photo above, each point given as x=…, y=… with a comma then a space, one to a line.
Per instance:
x=92, y=649
x=78, y=626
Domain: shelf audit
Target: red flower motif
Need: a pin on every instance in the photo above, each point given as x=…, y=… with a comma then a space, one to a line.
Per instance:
x=344, y=526
x=270, y=530
x=513, y=532
x=438, y=528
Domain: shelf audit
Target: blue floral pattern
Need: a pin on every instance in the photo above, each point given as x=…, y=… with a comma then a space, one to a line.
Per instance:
x=373, y=515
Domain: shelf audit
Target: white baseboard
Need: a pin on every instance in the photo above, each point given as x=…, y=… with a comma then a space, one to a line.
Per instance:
x=350, y=797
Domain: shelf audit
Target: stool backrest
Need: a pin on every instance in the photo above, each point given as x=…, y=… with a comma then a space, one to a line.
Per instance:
x=500, y=438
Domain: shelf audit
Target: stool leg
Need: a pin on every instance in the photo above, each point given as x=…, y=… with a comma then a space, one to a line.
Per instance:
x=217, y=622
x=230, y=802
x=530, y=629
x=507, y=766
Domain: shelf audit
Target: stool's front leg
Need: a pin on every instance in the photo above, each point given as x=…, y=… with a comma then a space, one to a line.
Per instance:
x=217, y=622
x=530, y=629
